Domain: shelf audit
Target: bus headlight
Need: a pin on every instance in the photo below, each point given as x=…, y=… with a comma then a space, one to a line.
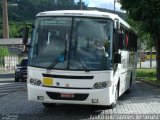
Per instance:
x=38, y=82
x=32, y=81
x=100, y=85
x=35, y=82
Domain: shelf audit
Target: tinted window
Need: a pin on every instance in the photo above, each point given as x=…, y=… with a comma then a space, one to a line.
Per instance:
x=24, y=62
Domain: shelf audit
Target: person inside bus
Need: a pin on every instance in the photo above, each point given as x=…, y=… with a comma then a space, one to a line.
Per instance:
x=105, y=55
x=100, y=53
x=100, y=48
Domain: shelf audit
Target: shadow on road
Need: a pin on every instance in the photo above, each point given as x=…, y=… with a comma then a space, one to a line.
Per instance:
x=76, y=112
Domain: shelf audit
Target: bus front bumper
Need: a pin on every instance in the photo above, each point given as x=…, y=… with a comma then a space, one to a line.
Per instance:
x=83, y=96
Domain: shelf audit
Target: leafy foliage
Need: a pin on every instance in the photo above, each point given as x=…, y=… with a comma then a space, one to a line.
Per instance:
x=4, y=51
x=15, y=30
x=27, y=9
x=147, y=14
x=143, y=37
x=147, y=74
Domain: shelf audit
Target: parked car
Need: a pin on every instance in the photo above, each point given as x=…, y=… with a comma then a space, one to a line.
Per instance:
x=21, y=70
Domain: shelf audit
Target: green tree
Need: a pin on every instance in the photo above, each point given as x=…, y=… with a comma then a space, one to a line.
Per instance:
x=147, y=14
x=4, y=51
x=84, y=6
x=27, y=9
x=15, y=29
x=143, y=37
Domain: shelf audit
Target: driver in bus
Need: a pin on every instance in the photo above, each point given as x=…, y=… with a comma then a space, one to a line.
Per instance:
x=101, y=48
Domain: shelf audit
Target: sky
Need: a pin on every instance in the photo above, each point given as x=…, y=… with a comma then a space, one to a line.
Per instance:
x=109, y=4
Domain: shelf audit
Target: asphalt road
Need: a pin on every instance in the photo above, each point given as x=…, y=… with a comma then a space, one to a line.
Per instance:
x=143, y=102
x=6, y=77
x=7, y=88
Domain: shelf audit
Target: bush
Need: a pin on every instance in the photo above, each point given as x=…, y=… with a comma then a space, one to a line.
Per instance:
x=4, y=51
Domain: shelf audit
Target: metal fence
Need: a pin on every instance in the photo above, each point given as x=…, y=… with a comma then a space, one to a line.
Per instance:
x=8, y=63
x=10, y=56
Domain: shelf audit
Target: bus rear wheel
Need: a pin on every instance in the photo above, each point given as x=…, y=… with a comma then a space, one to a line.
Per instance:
x=128, y=91
x=49, y=105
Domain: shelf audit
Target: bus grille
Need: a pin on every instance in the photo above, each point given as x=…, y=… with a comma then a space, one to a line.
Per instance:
x=77, y=97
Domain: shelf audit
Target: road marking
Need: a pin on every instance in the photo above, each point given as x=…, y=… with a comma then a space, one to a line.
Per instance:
x=10, y=90
x=3, y=93
x=5, y=84
x=11, y=87
x=11, y=84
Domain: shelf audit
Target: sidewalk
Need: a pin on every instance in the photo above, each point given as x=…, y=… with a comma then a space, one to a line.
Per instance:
x=3, y=71
x=148, y=82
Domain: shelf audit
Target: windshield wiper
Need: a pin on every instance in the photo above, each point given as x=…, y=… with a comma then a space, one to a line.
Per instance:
x=84, y=66
x=59, y=58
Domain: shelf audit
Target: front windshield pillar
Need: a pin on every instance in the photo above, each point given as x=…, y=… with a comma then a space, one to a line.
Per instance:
x=70, y=43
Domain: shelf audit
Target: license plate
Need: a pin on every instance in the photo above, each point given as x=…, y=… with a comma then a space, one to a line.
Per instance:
x=47, y=81
x=66, y=95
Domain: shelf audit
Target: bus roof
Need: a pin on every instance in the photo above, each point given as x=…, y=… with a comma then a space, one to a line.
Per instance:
x=83, y=13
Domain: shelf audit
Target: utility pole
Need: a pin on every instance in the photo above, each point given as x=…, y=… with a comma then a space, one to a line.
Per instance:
x=151, y=54
x=114, y=6
x=55, y=1
x=80, y=4
x=5, y=19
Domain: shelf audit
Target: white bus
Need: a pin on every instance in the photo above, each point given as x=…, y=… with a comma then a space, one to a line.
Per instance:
x=80, y=57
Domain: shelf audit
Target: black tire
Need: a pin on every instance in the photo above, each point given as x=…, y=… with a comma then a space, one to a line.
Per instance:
x=49, y=105
x=24, y=80
x=113, y=105
x=128, y=91
x=16, y=79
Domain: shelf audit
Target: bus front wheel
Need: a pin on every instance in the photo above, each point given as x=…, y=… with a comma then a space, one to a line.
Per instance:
x=113, y=105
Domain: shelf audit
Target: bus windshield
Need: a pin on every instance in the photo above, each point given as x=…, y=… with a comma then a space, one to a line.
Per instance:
x=87, y=43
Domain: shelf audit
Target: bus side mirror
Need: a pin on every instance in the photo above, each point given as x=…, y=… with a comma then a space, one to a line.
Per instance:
x=121, y=39
x=117, y=58
x=25, y=35
x=116, y=24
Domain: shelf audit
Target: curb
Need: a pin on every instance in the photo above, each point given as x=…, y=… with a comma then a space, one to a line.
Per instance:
x=149, y=82
x=7, y=72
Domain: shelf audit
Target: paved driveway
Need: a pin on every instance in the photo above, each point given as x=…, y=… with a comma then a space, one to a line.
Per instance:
x=143, y=101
